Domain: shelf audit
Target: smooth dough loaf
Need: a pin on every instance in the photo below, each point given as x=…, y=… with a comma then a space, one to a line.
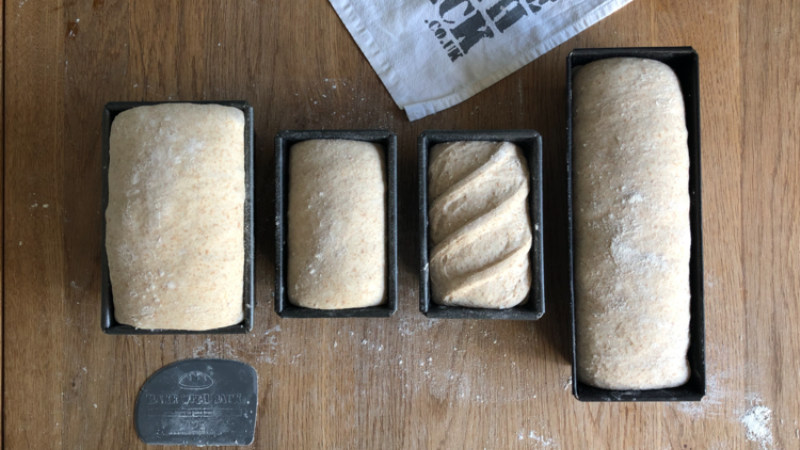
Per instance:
x=479, y=225
x=175, y=217
x=337, y=224
x=631, y=225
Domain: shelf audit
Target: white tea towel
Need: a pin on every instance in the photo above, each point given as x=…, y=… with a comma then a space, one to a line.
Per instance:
x=433, y=54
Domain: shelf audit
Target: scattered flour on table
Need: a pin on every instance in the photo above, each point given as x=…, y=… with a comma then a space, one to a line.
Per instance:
x=539, y=441
x=333, y=83
x=543, y=441
x=716, y=393
x=711, y=405
x=274, y=329
x=454, y=383
x=209, y=349
x=757, y=422
x=409, y=327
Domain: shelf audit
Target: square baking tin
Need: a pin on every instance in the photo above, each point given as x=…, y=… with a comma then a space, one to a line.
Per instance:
x=684, y=61
x=530, y=142
x=283, y=144
x=107, y=320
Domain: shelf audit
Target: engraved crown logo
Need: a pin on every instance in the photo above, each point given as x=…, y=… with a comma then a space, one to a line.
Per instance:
x=195, y=380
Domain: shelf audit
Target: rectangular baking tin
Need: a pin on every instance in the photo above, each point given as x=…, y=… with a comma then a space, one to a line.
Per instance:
x=684, y=61
x=107, y=320
x=283, y=144
x=530, y=142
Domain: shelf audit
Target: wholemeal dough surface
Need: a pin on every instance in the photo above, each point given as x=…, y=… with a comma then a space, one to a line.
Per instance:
x=337, y=229
x=479, y=225
x=631, y=225
x=175, y=216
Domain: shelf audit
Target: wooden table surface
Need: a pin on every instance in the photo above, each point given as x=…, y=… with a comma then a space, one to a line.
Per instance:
x=405, y=382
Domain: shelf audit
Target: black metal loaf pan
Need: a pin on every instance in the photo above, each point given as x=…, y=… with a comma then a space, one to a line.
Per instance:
x=530, y=142
x=684, y=61
x=107, y=320
x=283, y=144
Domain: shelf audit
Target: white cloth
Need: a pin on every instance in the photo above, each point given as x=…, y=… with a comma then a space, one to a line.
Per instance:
x=433, y=54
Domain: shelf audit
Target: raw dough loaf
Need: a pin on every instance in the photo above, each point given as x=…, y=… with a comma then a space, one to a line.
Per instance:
x=175, y=216
x=631, y=225
x=479, y=225
x=337, y=224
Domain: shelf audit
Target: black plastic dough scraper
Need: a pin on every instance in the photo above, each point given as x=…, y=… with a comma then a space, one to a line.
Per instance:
x=198, y=402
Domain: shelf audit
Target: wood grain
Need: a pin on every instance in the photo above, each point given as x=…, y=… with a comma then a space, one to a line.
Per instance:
x=405, y=382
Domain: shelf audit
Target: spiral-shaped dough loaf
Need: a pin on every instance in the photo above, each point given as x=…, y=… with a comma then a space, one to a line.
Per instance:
x=479, y=225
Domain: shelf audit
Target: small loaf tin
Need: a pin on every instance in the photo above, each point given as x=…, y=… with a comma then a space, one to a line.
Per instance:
x=107, y=321
x=684, y=61
x=530, y=142
x=283, y=144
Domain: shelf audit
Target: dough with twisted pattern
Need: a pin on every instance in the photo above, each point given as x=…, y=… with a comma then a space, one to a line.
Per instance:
x=479, y=225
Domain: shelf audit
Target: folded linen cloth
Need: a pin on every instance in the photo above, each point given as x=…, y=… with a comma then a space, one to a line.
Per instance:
x=433, y=54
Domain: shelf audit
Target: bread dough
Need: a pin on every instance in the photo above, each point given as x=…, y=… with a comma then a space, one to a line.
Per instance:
x=337, y=224
x=632, y=236
x=479, y=225
x=175, y=216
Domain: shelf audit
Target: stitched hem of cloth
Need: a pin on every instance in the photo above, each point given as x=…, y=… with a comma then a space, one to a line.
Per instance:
x=366, y=42
x=425, y=108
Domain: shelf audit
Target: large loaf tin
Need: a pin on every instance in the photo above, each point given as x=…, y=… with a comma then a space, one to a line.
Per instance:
x=530, y=142
x=107, y=321
x=684, y=61
x=283, y=144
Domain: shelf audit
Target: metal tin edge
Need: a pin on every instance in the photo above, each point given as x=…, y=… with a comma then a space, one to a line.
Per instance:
x=283, y=141
x=107, y=322
x=535, y=307
x=695, y=389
